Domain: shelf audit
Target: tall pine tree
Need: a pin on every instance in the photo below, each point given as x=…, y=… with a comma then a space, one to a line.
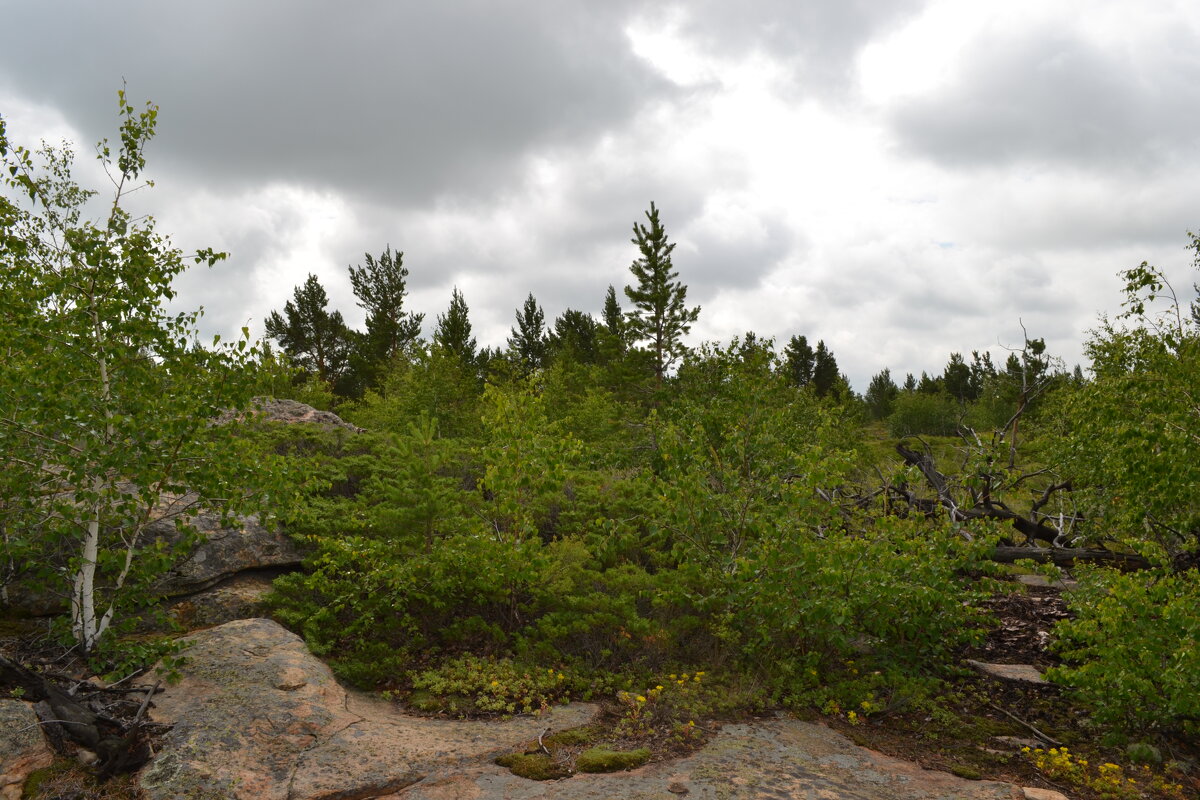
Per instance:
x=659, y=316
x=380, y=288
x=453, y=333
x=317, y=340
x=527, y=344
x=798, y=361
x=825, y=371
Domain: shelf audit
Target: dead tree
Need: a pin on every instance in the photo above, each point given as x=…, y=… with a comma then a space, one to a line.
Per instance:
x=81, y=717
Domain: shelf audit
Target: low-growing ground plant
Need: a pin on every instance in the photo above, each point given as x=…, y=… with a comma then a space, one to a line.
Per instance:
x=491, y=685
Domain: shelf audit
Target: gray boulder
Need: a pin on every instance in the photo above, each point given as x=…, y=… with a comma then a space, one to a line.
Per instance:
x=23, y=749
x=287, y=411
x=223, y=551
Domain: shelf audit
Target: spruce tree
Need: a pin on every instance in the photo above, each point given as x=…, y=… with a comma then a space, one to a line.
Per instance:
x=956, y=378
x=881, y=394
x=659, y=314
x=613, y=318
x=798, y=361
x=825, y=370
x=528, y=343
x=453, y=332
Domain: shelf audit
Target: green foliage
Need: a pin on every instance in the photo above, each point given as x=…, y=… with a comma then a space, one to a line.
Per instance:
x=918, y=413
x=894, y=597
x=1131, y=436
x=493, y=685
x=577, y=402
x=436, y=383
x=380, y=286
x=371, y=612
x=317, y=340
x=1132, y=652
x=420, y=501
x=453, y=332
x=528, y=342
x=881, y=395
x=659, y=314
x=798, y=361
x=740, y=461
x=825, y=371
x=602, y=759
x=534, y=766
x=575, y=338
x=525, y=460
x=672, y=704
x=106, y=401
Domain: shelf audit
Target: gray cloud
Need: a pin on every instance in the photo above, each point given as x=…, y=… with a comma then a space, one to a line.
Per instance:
x=1051, y=96
x=399, y=100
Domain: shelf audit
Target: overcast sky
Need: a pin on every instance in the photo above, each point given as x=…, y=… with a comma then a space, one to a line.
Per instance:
x=900, y=178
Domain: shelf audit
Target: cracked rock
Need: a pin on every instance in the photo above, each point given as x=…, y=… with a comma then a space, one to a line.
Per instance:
x=256, y=715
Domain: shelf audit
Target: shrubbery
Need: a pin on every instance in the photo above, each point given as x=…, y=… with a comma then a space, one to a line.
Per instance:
x=718, y=551
x=1133, y=651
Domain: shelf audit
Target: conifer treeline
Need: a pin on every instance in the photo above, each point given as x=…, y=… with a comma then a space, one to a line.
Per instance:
x=646, y=338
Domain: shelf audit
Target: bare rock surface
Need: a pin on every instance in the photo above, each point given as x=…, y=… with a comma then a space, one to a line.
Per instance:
x=1044, y=794
x=242, y=596
x=258, y=716
x=224, y=551
x=1024, y=673
x=767, y=760
x=22, y=747
x=289, y=412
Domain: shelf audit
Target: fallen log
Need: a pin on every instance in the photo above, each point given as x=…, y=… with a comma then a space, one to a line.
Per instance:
x=1066, y=556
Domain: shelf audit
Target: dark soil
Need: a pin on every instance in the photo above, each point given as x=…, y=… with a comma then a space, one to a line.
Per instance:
x=964, y=732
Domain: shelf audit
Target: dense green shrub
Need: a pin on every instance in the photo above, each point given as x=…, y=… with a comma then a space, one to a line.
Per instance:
x=1133, y=650
x=359, y=599
x=916, y=413
x=895, y=597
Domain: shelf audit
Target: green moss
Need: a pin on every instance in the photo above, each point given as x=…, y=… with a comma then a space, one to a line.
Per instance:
x=967, y=771
x=455, y=704
x=535, y=766
x=601, y=759
x=573, y=737
x=38, y=778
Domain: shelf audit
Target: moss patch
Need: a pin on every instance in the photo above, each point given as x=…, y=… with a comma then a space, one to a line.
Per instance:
x=65, y=778
x=535, y=766
x=967, y=771
x=573, y=737
x=454, y=704
x=601, y=759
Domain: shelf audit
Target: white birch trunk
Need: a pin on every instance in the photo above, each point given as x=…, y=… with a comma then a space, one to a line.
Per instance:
x=84, y=624
x=83, y=598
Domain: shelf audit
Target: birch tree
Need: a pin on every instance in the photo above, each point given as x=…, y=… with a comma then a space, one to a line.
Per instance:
x=105, y=398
